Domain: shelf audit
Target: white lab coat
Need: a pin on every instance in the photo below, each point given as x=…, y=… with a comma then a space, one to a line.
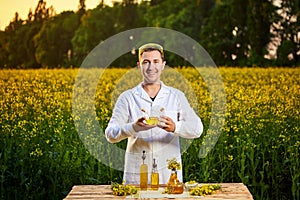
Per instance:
x=157, y=143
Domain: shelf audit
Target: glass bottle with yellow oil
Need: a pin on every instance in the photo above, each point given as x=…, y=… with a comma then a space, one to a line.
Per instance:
x=143, y=174
x=154, y=176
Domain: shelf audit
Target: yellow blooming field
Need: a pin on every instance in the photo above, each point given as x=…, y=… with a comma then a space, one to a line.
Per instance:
x=42, y=155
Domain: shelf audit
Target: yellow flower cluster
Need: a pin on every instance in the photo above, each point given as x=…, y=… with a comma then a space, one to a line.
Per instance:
x=204, y=190
x=173, y=164
x=122, y=189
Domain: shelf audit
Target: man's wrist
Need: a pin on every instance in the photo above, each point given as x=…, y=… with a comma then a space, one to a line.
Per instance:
x=128, y=129
x=177, y=127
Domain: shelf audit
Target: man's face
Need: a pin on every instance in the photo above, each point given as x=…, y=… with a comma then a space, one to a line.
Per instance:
x=151, y=65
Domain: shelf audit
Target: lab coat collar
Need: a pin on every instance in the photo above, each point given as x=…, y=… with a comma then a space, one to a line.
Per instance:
x=164, y=90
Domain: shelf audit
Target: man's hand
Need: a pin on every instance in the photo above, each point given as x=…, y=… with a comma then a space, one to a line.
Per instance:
x=140, y=125
x=167, y=124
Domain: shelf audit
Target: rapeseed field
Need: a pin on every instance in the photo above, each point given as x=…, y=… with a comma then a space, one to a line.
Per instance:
x=42, y=155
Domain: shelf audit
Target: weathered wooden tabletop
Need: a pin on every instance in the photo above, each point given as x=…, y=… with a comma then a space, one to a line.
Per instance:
x=229, y=191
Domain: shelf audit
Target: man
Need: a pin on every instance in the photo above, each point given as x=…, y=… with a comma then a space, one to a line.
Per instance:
x=152, y=97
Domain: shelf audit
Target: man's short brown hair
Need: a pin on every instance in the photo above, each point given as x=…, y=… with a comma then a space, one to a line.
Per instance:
x=151, y=47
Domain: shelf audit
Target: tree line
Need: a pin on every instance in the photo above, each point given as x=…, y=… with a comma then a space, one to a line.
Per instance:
x=233, y=32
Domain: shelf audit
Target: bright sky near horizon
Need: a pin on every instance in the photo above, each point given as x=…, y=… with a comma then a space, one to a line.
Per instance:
x=8, y=8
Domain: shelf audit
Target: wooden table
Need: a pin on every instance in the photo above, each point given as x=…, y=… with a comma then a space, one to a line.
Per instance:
x=88, y=192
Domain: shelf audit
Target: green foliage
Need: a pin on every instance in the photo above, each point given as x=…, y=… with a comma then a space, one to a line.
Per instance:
x=19, y=43
x=285, y=53
x=96, y=26
x=234, y=32
x=217, y=34
x=288, y=32
x=53, y=41
x=186, y=16
x=3, y=49
x=259, y=21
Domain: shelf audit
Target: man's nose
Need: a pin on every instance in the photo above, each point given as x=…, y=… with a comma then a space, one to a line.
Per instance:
x=151, y=65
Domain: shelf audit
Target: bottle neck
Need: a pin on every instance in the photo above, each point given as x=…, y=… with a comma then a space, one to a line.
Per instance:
x=154, y=170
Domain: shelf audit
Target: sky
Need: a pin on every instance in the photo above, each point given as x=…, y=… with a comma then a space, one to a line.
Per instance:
x=8, y=8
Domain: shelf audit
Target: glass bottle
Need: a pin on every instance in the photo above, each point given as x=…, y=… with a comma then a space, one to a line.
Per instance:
x=143, y=174
x=154, y=176
x=174, y=185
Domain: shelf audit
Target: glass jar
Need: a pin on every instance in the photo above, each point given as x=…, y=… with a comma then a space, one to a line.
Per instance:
x=173, y=185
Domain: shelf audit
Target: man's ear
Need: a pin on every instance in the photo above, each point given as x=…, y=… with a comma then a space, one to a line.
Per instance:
x=164, y=64
x=138, y=64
